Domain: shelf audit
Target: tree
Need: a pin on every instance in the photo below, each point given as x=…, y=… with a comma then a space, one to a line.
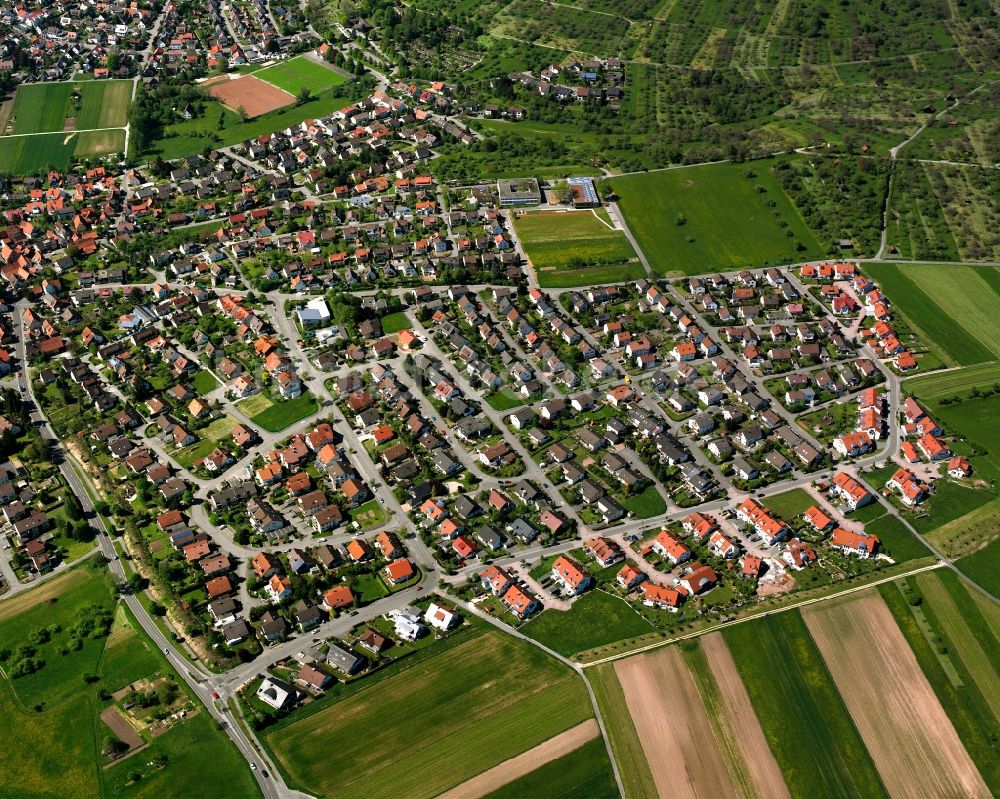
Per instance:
x=304, y=95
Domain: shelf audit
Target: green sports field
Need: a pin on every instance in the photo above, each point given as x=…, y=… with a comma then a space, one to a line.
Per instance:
x=803, y=716
x=300, y=73
x=698, y=219
x=555, y=242
x=955, y=307
x=433, y=722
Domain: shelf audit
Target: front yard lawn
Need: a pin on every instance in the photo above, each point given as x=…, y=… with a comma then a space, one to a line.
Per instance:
x=204, y=382
x=647, y=504
x=394, y=322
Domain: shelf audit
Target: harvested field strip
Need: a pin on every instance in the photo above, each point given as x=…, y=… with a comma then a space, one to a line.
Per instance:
x=676, y=736
x=526, y=762
x=978, y=728
x=745, y=746
x=803, y=716
x=637, y=778
x=900, y=719
x=976, y=655
x=26, y=600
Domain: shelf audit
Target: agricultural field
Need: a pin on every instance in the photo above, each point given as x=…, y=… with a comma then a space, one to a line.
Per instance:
x=49, y=107
x=562, y=27
x=560, y=243
x=983, y=567
x=39, y=152
x=625, y=744
x=55, y=706
x=808, y=727
x=595, y=619
x=896, y=540
x=583, y=772
x=446, y=736
x=901, y=722
x=300, y=73
x=952, y=307
x=968, y=134
x=677, y=738
x=751, y=764
x=956, y=689
x=724, y=216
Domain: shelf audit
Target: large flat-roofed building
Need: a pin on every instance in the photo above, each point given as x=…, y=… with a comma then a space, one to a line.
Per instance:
x=584, y=192
x=520, y=192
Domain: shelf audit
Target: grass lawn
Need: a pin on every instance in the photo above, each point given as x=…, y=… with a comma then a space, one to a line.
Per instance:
x=369, y=588
x=897, y=541
x=808, y=727
x=625, y=744
x=968, y=533
x=204, y=382
x=590, y=276
x=128, y=656
x=983, y=567
x=505, y=401
x=368, y=515
x=512, y=698
x=188, y=455
x=955, y=307
x=251, y=406
x=966, y=708
x=554, y=240
x=394, y=322
x=789, y=504
x=646, y=504
x=724, y=218
x=221, y=430
x=300, y=72
x=585, y=772
x=285, y=413
x=595, y=619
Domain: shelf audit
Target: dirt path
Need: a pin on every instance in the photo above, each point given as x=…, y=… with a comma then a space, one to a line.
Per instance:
x=893, y=705
x=526, y=762
x=742, y=721
x=671, y=722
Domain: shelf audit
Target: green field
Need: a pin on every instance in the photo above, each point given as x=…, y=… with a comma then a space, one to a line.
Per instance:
x=28, y=154
x=394, y=322
x=897, y=541
x=595, y=619
x=204, y=382
x=590, y=276
x=954, y=307
x=561, y=242
x=789, y=505
x=45, y=107
x=983, y=567
x=637, y=779
x=52, y=716
x=694, y=220
x=432, y=723
x=646, y=504
x=966, y=708
x=188, y=455
x=583, y=773
x=300, y=73
x=285, y=413
x=803, y=716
